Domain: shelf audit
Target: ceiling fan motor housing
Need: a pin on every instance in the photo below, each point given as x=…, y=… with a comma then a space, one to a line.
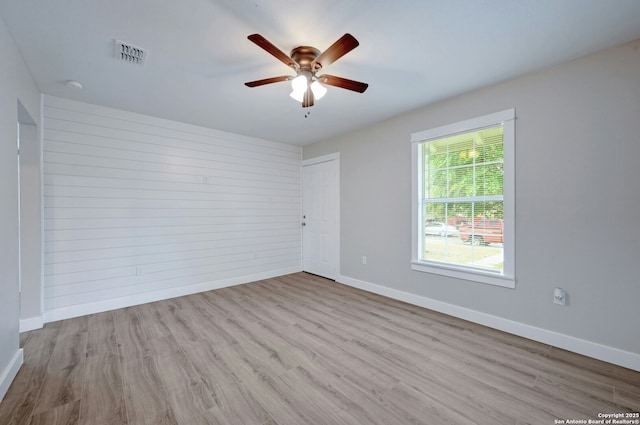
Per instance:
x=304, y=56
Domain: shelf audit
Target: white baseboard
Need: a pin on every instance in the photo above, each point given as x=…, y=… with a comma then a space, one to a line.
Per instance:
x=148, y=297
x=10, y=372
x=31, y=323
x=587, y=348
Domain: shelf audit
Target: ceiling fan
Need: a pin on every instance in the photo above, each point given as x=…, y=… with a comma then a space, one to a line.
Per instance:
x=306, y=61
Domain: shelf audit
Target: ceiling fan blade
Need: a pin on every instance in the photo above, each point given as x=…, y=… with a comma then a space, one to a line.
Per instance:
x=341, y=47
x=343, y=83
x=308, y=99
x=268, y=81
x=270, y=48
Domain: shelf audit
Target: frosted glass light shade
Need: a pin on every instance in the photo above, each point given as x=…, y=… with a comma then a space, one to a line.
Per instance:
x=299, y=83
x=318, y=90
x=298, y=94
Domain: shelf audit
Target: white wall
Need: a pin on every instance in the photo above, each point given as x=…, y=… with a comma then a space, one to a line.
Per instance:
x=139, y=208
x=16, y=85
x=577, y=203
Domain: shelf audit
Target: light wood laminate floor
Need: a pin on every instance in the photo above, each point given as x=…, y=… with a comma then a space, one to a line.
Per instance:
x=299, y=350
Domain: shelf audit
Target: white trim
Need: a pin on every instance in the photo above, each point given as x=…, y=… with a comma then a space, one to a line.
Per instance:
x=10, y=372
x=148, y=297
x=509, y=198
x=416, y=213
x=464, y=126
x=41, y=169
x=320, y=159
x=31, y=323
x=474, y=275
x=587, y=348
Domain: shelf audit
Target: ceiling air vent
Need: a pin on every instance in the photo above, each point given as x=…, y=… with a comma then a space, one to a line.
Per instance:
x=130, y=53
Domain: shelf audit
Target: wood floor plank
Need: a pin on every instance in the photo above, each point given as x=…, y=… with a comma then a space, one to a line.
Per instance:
x=619, y=376
x=237, y=405
x=213, y=322
x=315, y=403
x=102, y=391
x=268, y=391
x=298, y=350
x=66, y=414
x=247, y=362
x=131, y=333
x=628, y=397
x=146, y=399
x=471, y=399
x=577, y=398
x=175, y=316
x=20, y=400
x=357, y=396
x=65, y=370
x=207, y=360
x=442, y=379
x=418, y=408
x=188, y=395
x=101, y=334
x=268, y=345
x=527, y=400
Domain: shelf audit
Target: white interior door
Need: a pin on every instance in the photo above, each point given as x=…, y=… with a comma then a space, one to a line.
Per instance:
x=320, y=216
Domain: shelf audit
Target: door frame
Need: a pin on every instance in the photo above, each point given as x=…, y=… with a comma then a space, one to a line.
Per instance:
x=313, y=161
x=30, y=220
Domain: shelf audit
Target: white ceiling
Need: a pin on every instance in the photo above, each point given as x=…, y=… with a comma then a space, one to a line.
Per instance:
x=412, y=53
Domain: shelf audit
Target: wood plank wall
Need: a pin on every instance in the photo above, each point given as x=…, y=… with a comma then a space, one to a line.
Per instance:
x=138, y=208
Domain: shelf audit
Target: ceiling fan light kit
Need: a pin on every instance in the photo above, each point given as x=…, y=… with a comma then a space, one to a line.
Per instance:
x=300, y=85
x=306, y=61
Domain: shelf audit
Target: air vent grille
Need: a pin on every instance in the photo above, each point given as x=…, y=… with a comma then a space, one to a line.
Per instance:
x=130, y=53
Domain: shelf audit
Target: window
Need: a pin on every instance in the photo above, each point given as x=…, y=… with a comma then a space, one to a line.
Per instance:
x=463, y=199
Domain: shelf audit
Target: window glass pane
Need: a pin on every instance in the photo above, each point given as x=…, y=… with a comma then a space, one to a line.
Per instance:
x=452, y=236
x=460, y=213
x=460, y=227
x=435, y=212
x=488, y=179
x=435, y=184
x=461, y=182
x=489, y=144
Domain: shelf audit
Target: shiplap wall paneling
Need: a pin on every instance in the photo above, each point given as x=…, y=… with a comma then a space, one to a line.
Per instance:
x=135, y=205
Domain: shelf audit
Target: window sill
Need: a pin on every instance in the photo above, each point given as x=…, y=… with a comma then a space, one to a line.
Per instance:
x=466, y=274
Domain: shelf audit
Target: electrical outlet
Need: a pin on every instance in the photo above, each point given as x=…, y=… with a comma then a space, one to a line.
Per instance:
x=559, y=296
x=364, y=259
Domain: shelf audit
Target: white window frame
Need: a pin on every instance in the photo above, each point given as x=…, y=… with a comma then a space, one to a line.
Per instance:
x=506, y=278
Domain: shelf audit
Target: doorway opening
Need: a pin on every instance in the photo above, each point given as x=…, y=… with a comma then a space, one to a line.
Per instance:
x=29, y=221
